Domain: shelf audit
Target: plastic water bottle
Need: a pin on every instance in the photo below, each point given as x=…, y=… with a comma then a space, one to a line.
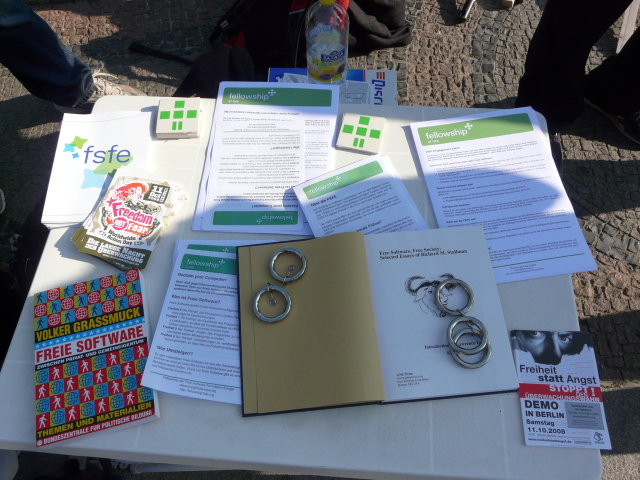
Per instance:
x=327, y=32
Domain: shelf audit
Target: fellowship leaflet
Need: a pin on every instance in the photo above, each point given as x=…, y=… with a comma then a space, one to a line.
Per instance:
x=366, y=196
x=196, y=352
x=560, y=391
x=383, y=84
x=364, y=326
x=265, y=139
x=91, y=346
x=496, y=170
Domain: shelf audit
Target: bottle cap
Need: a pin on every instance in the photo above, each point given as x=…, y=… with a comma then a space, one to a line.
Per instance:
x=327, y=2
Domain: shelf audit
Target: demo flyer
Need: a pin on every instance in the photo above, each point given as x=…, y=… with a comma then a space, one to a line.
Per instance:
x=560, y=393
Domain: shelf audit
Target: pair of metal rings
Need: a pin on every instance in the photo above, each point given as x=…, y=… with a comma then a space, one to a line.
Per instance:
x=473, y=327
x=274, y=288
x=451, y=280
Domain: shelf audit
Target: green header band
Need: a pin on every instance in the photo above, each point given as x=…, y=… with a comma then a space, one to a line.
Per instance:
x=343, y=180
x=270, y=217
x=475, y=129
x=228, y=266
x=213, y=248
x=277, y=96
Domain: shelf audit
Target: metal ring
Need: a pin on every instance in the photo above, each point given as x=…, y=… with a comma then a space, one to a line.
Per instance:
x=275, y=256
x=269, y=288
x=454, y=281
x=479, y=331
x=463, y=363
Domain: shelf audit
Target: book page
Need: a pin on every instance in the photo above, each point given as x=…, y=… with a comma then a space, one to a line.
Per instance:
x=196, y=351
x=324, y=352
x=496, y=170
x=405, y=269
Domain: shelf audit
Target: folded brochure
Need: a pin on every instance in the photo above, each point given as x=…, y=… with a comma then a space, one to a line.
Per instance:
x=91, y=148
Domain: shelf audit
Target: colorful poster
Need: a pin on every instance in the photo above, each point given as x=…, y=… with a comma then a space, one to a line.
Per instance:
x=560, y=391
x=91, y=346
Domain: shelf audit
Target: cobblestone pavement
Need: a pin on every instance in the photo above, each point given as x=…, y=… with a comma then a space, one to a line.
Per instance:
x=477, y=63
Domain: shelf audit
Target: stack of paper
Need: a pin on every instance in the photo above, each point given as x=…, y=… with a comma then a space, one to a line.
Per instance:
x=90, y=149
x=178, y=118
x=266, y=138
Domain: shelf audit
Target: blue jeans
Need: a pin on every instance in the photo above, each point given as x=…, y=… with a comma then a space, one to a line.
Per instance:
x=36, y=57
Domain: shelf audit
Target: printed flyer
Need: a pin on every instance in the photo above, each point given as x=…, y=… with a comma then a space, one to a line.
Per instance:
x=560, y=391
x=197, y=348
x=367, y=196
x=265, y=139
x=91, y=148
x=91, y=343
x=130, y=219
x=496, y=170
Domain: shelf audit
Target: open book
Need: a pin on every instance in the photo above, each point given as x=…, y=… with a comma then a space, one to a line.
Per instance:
x=364, y=326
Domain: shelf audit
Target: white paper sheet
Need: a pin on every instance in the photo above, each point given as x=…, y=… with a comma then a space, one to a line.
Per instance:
x=496, y=170
x=257, y=161
x=366, y=196
x=273, y=106
x=196, y=348
x=405, y=269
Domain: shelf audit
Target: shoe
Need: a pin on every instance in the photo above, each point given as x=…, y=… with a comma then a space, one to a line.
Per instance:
x=629, y=125
x=3, y=204
x=556, y=150
x=103, y=86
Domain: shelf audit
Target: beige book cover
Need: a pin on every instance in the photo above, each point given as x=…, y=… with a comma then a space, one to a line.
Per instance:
x=324, y=353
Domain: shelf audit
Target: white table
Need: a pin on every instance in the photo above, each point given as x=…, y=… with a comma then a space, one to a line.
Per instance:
x=473, y=437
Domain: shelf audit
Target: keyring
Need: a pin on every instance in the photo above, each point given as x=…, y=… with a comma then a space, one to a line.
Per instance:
x=454, y=281
x=268, y=289
x=287, y=279
x=479, y=331
x=463, y=363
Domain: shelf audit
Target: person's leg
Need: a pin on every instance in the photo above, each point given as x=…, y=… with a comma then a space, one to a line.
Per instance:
x=32, y=51
x=615, y=85
x=613, y=88
x=553, y=82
